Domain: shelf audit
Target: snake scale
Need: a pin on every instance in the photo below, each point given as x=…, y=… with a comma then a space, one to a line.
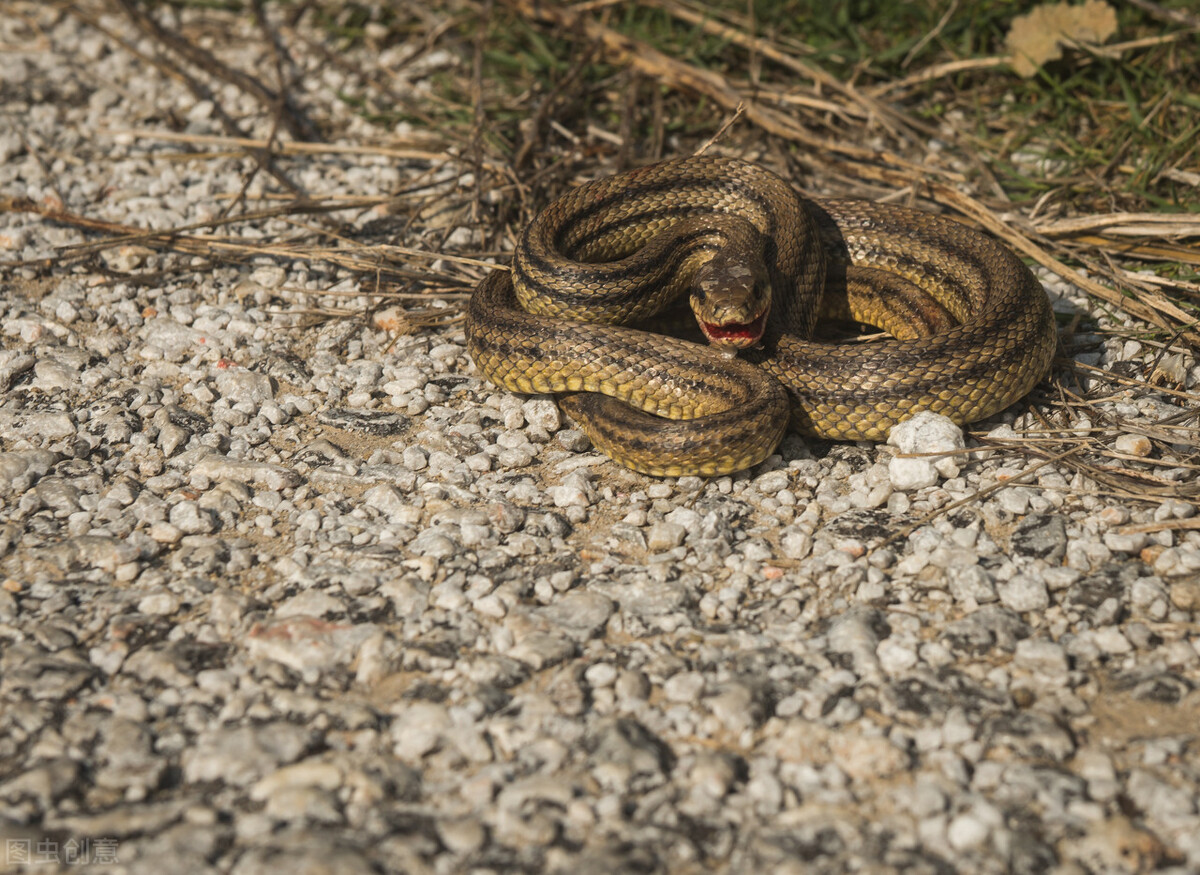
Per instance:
x=972, y=328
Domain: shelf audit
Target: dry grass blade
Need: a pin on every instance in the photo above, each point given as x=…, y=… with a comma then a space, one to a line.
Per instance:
x=1173, y=16
x=361, y=259
x=282, y=147
x=122, y=234
x=1170, y=225
x=1139, y=249
x=1148, y=310
x=935, y=72
x=1185, y=525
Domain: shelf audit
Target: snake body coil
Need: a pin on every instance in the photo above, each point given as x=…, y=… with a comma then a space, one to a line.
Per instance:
x=973, y=329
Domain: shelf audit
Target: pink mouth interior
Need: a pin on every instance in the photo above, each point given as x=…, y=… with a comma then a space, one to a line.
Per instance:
x=736, y=333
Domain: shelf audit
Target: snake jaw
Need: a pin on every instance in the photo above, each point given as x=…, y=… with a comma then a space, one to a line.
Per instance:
x=735, y=335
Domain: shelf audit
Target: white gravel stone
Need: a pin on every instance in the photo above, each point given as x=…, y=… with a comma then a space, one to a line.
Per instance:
x=772, y=482
x=1177, y=561
x=1110, y=640
x=895, y=658
x=966, y=832
x=796, y=543
x=568, y=496
x=161, y=604
x=664, y=536
x=687, y=686
x=1024, y=593
x=1122, y=543
x=191, y=519
x=543, y=413
x=51, y=375
x=924, y=433
x=1043, y=657
x=909, y=475
x=970, y=583
x=602, y=674
x=1133, y=445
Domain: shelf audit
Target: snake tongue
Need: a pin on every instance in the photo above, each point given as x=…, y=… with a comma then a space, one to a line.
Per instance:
x=736, y=335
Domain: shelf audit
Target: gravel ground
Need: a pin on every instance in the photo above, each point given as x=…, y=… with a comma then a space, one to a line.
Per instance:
x=279, y=592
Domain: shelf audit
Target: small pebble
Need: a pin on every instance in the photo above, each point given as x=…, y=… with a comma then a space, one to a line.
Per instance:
x=1133, y=445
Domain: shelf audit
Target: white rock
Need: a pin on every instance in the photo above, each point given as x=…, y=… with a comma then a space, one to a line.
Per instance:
x=771, y=482
x=1023, y=593
x=160, y=604
x=1121, y=543
x=795, y=543
x=50, y=375
x=1111, y=640
x=894, y=657
x=238, y=384
x=268, y=276
x=665, y=536
x=1014, y=499
x=971, y=582
x=192, y=519
x=568, y=496
x=542, y=412
x=1133, y=445
x=417, y=729
x=908, y=475
x=1044, y=657
x=686, y=686
x=930, y=433
x=601, y=674
x=967, y=831
x=385, y=498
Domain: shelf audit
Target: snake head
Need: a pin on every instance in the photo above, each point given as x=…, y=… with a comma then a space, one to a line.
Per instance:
x=731, y=299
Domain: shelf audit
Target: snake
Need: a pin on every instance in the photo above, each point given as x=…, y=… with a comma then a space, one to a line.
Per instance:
x=972, y=330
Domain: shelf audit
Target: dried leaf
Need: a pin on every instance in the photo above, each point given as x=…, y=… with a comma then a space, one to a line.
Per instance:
x=1038, y=36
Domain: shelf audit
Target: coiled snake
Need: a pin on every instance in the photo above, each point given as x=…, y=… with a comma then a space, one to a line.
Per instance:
x=972, y=328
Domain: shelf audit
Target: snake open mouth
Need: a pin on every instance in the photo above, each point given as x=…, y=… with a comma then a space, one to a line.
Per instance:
x=737, y=335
